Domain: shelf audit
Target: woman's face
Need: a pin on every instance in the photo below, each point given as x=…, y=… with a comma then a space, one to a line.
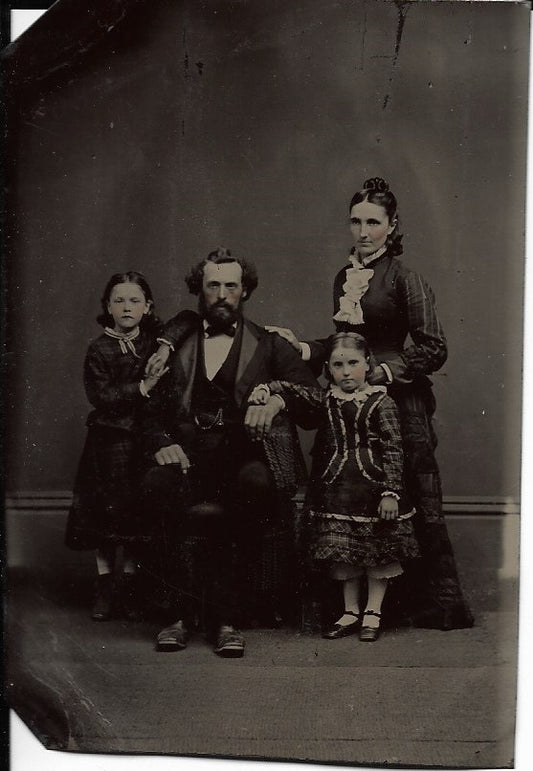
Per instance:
x=370, y=227
x=348, y=368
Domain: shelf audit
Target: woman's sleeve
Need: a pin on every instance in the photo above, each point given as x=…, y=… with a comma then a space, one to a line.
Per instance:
x=391, y=443
x=317, y=355
x=428, y=350
x=103, y=390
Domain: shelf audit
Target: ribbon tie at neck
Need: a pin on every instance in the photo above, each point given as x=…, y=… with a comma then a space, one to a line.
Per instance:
x=125, y=339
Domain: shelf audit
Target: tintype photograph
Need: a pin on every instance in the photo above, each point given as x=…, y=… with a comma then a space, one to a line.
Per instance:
x=263, y=272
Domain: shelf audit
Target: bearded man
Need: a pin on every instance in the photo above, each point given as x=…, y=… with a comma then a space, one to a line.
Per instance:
x=218, y=460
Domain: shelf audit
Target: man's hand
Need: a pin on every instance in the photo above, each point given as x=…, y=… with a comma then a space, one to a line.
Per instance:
x=156, y=363
x=258, y=419
x=173, y=454
x=288, y=335
x=388, y=507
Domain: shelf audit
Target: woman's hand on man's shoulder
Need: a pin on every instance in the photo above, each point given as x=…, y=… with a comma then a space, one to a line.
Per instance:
x=286, y=334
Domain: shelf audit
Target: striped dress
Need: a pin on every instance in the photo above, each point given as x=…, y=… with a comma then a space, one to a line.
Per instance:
x=393, y=307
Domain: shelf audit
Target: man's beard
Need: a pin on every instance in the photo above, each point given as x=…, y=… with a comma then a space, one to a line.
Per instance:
x=220, y=315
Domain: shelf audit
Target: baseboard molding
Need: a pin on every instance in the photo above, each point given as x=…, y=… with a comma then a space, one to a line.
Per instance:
x=480, y=505
x=38, y=499
x=60, y=500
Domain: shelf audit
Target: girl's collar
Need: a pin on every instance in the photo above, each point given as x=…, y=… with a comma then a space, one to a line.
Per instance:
x=359, y=396
x=125, y=339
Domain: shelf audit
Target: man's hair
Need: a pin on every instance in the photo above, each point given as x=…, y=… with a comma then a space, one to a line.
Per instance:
x=221, y=255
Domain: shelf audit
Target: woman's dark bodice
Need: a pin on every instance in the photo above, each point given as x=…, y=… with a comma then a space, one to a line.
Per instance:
x=397, y=304
x=386, y=323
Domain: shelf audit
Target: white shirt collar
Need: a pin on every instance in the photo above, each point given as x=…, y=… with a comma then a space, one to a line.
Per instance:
x=370, y=258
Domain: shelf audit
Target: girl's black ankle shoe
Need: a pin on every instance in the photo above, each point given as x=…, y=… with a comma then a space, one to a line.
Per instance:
x=369, y=633
x=342, y=630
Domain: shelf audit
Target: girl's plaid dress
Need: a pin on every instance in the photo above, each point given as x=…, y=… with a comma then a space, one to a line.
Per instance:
x=105, y=496
x=357, y=457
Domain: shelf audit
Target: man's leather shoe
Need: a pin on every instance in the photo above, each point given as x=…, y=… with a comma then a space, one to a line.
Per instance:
x=342, y=630
x=103, y=603
x=173, y=638
x=130, y=597
x=229, y=643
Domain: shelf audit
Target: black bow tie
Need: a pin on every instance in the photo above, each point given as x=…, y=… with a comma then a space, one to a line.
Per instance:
x=215, y=331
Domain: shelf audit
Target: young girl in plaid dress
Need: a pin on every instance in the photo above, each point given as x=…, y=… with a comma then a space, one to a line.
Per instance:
x=359, y=522
x=104, y=512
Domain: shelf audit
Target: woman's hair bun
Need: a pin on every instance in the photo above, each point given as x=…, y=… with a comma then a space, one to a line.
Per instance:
x=377, y=184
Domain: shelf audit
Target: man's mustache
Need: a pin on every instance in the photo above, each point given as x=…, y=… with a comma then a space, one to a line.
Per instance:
x=218, y=309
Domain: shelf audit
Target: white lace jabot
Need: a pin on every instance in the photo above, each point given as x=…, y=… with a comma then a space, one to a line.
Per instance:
x=355, y=286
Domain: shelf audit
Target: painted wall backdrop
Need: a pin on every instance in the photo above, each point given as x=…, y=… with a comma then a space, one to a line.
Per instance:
x=145, y=142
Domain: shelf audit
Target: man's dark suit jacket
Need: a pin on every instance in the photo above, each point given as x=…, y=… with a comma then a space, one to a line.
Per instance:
x=263, y=357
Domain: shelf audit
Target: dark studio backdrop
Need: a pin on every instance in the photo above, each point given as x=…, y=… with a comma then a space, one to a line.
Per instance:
x=140, y=135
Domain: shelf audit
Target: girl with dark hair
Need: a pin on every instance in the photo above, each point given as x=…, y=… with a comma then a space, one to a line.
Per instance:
x=378, y=296
x=104, y=509
x=356, y=511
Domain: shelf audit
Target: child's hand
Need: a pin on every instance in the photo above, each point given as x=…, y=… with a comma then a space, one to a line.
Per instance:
x=388, y=507
x=156, y=363
x=260, y=394
x=152, y=380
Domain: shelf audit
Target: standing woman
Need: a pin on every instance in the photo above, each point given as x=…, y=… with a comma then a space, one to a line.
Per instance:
x=379, y=297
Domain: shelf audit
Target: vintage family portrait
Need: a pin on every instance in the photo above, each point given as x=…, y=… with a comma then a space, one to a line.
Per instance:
x=264, y=278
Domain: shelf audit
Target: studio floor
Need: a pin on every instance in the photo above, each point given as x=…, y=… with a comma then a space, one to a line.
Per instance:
x=416, y=697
